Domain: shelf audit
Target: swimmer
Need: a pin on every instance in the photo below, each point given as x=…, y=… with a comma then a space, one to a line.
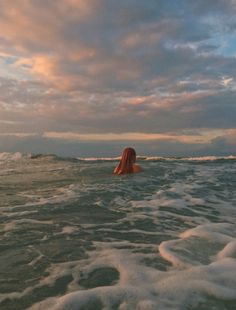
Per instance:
x=127, y=162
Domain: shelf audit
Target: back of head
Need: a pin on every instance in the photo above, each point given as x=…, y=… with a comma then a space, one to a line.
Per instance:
x=127, y=160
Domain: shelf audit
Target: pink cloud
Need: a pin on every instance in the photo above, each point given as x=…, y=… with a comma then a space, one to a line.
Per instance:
x=110, y=70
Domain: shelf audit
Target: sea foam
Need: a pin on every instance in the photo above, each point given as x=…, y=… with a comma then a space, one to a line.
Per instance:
x=74, y=236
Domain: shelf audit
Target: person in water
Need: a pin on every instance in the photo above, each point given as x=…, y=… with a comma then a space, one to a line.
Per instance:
x=127, y=162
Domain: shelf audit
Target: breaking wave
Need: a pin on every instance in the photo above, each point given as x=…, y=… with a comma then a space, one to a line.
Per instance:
x=7, y=156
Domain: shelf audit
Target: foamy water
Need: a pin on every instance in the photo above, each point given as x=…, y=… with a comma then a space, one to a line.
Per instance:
x=74, y=236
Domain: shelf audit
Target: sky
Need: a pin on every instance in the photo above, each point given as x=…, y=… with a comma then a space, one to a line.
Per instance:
x=87, y=78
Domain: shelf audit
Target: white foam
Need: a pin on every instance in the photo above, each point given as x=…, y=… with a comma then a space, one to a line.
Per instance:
x=67, y=230
x=5, y=156
x=166, y=251
x=209, y=158
x=38, y=258
x=199, y=158
x=220, y=232
x=12, y=225
x=142, y=287
x=99, y=158
x=58, y=195
x=180, y=287
x=54, y=272
x=184, y=251
x=228, y=251
x=198, y=262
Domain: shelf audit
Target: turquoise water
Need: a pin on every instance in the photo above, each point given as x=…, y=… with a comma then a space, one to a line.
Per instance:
x=74, y=236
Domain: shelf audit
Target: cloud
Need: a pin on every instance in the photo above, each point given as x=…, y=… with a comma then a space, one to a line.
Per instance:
x=192, y=137
x=102, y=67
x=18, y=134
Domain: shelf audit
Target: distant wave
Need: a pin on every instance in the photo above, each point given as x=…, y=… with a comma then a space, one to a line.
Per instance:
x=199, y=158
x=98, y=158
x=160, y=158
x=6, y=156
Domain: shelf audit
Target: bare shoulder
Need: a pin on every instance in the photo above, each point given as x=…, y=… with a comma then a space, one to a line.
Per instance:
x=137, y=168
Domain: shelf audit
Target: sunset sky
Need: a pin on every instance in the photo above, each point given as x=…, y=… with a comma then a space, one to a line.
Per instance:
x=88, y=77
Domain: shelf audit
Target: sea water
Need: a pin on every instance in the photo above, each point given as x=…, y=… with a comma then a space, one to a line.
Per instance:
x=74, y=236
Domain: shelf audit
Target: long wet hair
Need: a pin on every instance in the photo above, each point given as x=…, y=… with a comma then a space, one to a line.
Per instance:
x=127, y=160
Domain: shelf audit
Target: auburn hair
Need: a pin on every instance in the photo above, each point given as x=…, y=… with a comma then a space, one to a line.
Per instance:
x=127, y=160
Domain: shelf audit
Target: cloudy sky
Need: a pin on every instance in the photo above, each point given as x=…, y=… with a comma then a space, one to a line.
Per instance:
x=87, y=78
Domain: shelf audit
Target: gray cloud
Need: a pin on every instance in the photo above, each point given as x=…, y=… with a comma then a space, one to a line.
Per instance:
x=116, y=66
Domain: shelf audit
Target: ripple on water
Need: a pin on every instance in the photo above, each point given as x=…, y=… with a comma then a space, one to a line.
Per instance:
x=75, y=237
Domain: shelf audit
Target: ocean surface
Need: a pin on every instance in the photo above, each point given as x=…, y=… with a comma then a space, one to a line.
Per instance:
x=74, y=236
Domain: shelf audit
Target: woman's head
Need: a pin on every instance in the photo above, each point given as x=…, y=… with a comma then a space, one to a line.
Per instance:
x=129, y=155
x=127, y=160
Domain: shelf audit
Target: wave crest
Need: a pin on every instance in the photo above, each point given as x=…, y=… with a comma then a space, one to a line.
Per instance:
x=7, y=156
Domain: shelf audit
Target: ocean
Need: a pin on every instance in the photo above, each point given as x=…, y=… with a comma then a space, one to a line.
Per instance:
x=74, y=236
